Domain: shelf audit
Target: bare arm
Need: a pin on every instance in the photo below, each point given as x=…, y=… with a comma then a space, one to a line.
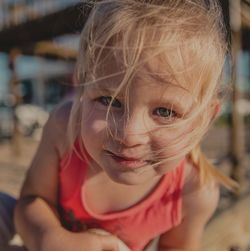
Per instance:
x=36, y=218
x=198, y=207
x=36, y=210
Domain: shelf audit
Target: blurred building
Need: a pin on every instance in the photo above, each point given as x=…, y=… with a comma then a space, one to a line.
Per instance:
x=43, y=73
x=14, y=12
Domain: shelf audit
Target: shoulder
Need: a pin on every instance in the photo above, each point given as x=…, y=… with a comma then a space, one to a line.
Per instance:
x=57, y=125
x=199, y=203
x=60, y=115
x=42, y=176
x=199, y=200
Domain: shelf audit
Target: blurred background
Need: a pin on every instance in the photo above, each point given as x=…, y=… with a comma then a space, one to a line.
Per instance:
x=38, y=48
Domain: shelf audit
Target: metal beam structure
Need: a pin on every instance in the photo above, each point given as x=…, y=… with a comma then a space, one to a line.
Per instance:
x=69, y=21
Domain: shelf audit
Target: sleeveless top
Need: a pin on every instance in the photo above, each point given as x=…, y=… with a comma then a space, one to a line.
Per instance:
x=136, y=226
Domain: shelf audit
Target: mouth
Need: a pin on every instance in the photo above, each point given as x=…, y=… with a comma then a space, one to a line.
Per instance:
x=129, y=162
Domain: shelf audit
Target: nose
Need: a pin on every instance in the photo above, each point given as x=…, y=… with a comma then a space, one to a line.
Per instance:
x=133, y=130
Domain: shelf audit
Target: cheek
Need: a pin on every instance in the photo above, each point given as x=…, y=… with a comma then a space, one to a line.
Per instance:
x=94, y=120
x=171, y=141
x=93, y=128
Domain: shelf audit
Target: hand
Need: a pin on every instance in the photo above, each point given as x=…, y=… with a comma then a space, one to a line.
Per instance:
x=121, y=244
x=60, y=239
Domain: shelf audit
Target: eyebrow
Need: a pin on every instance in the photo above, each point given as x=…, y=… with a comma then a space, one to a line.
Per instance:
x=103, y=89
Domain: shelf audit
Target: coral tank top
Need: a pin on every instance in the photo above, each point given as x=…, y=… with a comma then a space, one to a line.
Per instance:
x=136, y=226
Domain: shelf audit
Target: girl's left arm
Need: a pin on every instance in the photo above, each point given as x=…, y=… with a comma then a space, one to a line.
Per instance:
x=198, y=207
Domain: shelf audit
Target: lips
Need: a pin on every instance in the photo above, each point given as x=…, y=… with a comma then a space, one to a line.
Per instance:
x=129, y=162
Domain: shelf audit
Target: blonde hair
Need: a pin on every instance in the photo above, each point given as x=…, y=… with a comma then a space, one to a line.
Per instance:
x=136, y=31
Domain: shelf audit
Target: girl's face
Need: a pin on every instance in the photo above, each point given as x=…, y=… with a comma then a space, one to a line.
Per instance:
x=128, y=143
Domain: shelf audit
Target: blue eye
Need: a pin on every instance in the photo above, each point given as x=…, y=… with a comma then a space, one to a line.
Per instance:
x=165, y=112
x=106, y=101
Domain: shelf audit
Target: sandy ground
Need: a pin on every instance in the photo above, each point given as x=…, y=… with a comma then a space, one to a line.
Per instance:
x=229, y=230
x=14, y=163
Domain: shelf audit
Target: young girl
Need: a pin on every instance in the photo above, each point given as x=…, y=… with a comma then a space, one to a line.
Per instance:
x=130, y=168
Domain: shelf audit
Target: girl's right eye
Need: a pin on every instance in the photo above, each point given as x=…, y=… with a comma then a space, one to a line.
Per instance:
x=107, y=100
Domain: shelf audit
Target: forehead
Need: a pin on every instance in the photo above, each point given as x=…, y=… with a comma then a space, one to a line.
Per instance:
x=160, y=72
